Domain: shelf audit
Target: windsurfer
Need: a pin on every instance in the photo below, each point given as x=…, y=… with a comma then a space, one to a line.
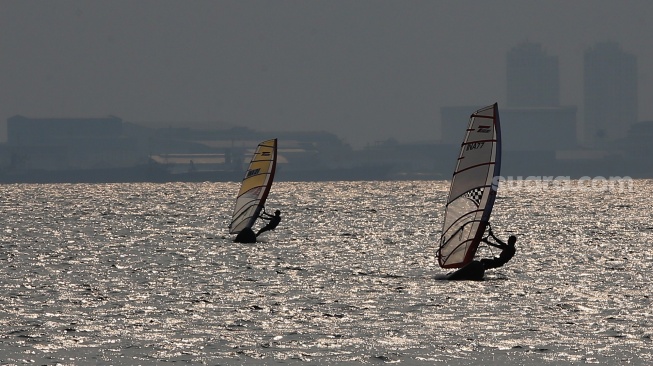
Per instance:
x=507, y=251
x=274, y=220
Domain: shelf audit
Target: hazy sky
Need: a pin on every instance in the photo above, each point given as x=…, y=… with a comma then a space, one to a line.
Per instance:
x=366, y=70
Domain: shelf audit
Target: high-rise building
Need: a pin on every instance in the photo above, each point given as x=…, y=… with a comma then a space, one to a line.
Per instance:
x=610, y=94
x=532, y=77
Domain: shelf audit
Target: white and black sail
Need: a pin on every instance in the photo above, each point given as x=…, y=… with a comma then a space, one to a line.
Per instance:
x=473, y=189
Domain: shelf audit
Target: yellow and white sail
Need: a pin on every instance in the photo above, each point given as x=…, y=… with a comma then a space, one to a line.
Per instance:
x=255, y=187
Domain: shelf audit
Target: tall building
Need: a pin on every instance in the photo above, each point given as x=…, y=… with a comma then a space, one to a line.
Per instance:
x=610, y=94
x=533, y=118
x=532, y=77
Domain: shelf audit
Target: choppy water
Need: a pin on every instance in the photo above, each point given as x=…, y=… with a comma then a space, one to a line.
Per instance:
x=147, y=274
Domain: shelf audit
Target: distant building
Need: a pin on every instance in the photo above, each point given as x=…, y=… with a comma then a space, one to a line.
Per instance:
x=522, y=129
x=539, y=129
x=69, y=143
x=638, y=143
x=532, y=77
x=610, y=94
x=532, y=119
x=534, y=126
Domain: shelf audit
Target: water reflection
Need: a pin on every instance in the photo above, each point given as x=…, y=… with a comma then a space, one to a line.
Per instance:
x=147, y=273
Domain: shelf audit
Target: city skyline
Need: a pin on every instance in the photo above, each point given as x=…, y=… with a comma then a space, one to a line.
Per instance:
x=46, y=150
x=365, y=71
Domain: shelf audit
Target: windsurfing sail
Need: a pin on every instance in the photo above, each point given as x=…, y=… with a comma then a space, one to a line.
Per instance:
x=255, y=187
x=473, y=189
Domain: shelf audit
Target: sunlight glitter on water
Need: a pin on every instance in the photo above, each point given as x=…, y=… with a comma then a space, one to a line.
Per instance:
x=147, y=273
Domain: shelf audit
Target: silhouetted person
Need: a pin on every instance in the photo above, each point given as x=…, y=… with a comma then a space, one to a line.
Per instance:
x=507, y=251
x=274, y=220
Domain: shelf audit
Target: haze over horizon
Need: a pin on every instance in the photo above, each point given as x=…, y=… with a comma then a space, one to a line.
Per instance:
x=366, y=71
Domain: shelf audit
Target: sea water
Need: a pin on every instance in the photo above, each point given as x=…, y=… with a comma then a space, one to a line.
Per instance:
x=147, y=274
